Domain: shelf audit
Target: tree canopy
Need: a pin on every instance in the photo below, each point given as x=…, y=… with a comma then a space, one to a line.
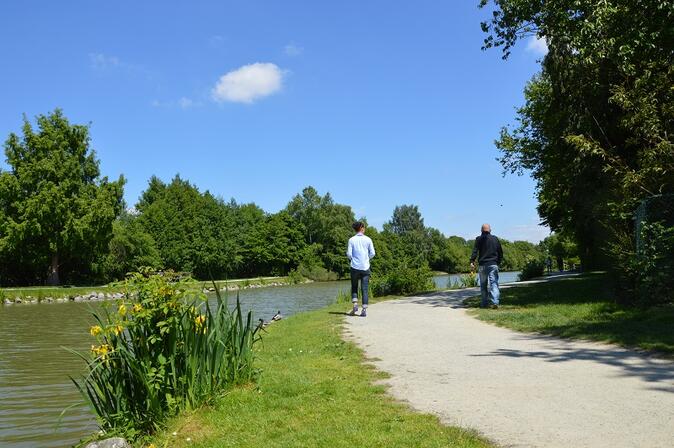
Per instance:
x=56, y=211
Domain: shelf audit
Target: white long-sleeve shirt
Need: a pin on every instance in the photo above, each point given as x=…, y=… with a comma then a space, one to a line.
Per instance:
x=360, y=250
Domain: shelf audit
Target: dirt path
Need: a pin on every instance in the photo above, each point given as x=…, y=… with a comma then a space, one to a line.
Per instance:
x=519, y=390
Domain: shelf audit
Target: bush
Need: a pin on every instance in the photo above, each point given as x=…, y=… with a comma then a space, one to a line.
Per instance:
x=465, y=281
x=403, y=280
x=653, y=265
x=316, y=273
x=295, y=278
x=162, y=350
x=532, y=269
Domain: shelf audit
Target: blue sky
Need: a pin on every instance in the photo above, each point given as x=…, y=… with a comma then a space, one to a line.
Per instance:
x=380, y=103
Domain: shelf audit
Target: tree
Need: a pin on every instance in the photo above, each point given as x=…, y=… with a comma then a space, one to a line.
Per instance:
x=405, y=219
x=597, y=127
x=54, y=205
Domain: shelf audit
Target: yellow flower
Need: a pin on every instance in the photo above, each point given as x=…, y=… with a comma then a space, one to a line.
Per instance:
x=122, y=310
x=199, y=320
x=118, y=329
x=95, y=330
x=137, y=307
x=152, y=445
x=101, y=350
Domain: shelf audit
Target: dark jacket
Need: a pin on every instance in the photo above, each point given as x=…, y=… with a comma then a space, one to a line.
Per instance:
x=489, y=249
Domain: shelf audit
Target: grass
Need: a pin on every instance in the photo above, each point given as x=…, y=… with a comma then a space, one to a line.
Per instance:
x=315, y=390
x=582, y=308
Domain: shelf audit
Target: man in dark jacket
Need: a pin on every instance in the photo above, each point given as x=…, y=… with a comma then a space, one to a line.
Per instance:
x=489, y=254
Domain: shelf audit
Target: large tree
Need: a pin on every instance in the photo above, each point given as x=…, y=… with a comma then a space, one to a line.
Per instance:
x=597, y=127
x=56, y=211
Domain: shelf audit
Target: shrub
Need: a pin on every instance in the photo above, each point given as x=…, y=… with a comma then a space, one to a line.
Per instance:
x=294, y=277
x=465, y=281
x=532, y=269
x=403, y=280
x=316, y=273
x=162, y=349
x=653, y=265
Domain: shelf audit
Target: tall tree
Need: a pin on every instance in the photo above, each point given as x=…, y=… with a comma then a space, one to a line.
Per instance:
x=597, y=127
x=54, y=205
x=405, y=219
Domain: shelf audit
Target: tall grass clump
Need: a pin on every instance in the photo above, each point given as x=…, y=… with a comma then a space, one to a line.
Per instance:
x=162, y=349
x=466, y=281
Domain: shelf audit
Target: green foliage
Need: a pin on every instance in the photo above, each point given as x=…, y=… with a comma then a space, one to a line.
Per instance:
x=653, y=265
x=130, y=249
x=597, y=127
x=326, y=224
x=56, y=212
x=465, y=281
x=403, y=280
x=532, y=269
x=162, y=350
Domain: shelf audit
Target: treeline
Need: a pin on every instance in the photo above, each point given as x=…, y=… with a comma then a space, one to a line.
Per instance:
x=61, y=222
x=597, y=131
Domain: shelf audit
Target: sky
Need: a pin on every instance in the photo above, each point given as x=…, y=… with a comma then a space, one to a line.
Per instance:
x=379, y=103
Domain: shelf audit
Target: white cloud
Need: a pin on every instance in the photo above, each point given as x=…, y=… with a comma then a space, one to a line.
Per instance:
x=182, y=103
x=99, y=61
x=185, y=103
x=537, y=45
x=248, y=83
x=293, y=50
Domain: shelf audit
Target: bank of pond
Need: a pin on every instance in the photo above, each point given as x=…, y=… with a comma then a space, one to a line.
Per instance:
x=35, y=368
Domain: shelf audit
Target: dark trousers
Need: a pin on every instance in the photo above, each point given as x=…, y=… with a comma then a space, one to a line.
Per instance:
x=364, y=277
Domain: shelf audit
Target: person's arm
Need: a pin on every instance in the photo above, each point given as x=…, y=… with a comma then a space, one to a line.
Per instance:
x=473, y=256
x=349, y=250
x=370, y=250
x=500, y=252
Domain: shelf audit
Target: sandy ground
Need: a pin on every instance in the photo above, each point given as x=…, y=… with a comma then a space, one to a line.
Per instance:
x=519, y=390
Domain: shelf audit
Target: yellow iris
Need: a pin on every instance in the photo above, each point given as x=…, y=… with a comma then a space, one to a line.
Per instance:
x=122, y=310
x=101, y=350
x=137, y=307
x=199, y=320
x=118, y=329
x=95, y=330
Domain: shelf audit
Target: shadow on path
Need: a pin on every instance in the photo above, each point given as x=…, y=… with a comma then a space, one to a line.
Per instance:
x=658, y=372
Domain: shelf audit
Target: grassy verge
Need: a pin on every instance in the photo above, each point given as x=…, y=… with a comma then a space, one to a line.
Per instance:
x=314, y=391
x=41, y=292
x=583, y=308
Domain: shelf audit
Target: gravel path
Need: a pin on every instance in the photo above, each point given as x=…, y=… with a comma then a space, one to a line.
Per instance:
x=519, y=390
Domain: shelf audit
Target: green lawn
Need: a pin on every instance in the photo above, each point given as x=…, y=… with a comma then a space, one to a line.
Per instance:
x=583, y=308
x=314, y=391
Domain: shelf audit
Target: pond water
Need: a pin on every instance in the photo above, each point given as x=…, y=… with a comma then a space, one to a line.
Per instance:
x=34, y=368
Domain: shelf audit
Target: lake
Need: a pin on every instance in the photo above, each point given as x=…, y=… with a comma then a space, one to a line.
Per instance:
x=34, y=369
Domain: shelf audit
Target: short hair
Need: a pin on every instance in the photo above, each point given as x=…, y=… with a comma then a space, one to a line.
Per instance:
x=358, y=225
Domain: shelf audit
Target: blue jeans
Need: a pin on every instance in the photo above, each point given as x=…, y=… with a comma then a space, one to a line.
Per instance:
x=489, y=284
x=364, y=277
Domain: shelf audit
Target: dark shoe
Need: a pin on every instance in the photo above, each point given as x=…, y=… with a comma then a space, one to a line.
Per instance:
x=494, y=307
x=353, y=311
x=363, y=313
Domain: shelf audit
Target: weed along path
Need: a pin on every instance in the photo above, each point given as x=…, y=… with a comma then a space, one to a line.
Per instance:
x=519, y=390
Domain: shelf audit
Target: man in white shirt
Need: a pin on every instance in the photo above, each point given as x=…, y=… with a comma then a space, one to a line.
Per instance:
x=360, y=251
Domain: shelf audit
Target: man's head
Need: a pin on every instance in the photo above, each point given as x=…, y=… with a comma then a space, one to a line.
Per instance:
x=486, y=228
x=358, y=226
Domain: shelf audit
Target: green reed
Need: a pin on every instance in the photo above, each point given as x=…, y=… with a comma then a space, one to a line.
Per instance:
x=162, y=349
